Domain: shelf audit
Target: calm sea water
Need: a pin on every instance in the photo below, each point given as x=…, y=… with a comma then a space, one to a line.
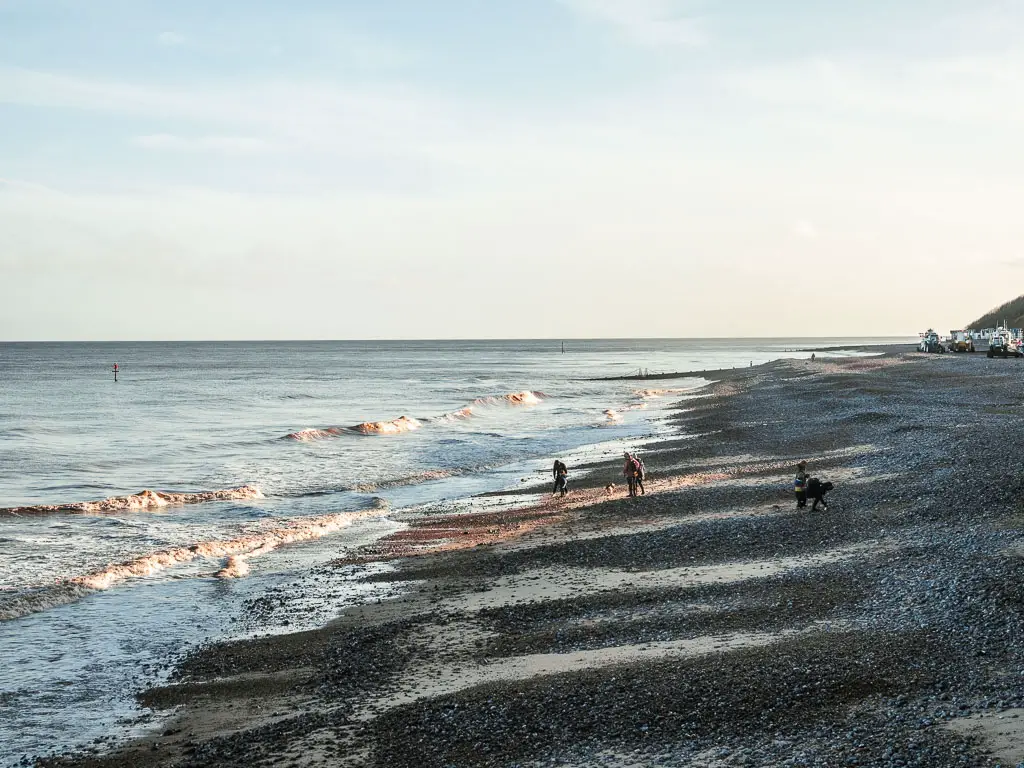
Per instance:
x=193, y=417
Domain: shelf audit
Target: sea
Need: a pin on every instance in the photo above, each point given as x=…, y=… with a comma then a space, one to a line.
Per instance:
x=203, y=494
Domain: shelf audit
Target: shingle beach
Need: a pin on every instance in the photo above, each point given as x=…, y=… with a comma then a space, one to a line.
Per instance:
x=707, y=623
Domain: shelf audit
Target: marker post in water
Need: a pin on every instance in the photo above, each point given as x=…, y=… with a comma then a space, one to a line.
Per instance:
x=116, y=369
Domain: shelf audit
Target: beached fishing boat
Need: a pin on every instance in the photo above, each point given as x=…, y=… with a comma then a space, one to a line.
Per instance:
x=1003, y=344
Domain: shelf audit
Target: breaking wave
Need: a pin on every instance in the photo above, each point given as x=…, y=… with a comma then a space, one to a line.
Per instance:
x=142, y=500
x=309, y=435
x=515, y=398
x=651, y=393
x=459, y=415
x=397, y=482
x=237, y=552
x=394, y=427
x=38, y=600
x=409, y=424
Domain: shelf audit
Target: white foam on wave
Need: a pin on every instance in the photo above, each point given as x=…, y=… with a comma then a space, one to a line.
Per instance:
x=460, y=415
x=309, y=435
x=653, y=393
x=525, y=397
x=408, y=424
x=393, y=427
x=141, y=501
x=38, y=600
x=236, y=551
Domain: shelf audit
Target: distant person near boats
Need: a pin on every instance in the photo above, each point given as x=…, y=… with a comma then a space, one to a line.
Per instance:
x=560, y=473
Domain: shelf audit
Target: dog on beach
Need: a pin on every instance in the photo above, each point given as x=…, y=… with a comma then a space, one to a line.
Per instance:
x=609, y=489
x=816, y=491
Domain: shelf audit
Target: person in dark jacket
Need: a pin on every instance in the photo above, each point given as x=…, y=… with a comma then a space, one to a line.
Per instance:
x=560, y=473
x=630, y=470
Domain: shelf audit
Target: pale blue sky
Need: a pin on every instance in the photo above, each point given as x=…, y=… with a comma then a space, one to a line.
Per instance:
x=401, y=168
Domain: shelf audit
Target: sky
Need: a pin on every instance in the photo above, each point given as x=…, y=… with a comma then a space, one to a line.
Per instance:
x=333, y=169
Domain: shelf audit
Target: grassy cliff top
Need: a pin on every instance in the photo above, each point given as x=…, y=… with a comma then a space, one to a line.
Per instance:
x=1012, y=312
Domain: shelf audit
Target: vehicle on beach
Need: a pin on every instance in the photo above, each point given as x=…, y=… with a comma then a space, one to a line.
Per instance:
x=982, y=338
x=930, y=342
x=1003, y=344
x=961, y=341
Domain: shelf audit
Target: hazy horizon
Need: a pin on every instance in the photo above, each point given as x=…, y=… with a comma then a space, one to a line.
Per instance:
x=554, y=339
x=453, y=170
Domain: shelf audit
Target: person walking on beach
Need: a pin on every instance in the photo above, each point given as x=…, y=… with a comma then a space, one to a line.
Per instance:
x=800, y=485
x=630, y=470
x=641, y=473
x=560, y=472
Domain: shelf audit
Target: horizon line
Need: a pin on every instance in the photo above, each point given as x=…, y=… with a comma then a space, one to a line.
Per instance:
x=449, y=339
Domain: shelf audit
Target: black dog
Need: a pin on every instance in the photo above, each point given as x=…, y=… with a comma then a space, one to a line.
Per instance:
x=816, y=491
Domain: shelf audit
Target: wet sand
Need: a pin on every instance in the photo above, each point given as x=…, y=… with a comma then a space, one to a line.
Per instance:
x=708, y=623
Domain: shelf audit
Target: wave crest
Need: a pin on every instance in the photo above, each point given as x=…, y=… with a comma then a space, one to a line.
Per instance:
x=309, y=435
x=420, y=477
x=237, y=551
x=394, y=427
x=143, y=500
x=526, y=397
x=459, y=415
x=38, y=600
x=409, y=424
x=651, y=393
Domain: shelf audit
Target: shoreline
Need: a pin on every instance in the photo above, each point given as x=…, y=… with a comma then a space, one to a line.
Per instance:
x=717, y=372
x=722, y=373
x=708, y=623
